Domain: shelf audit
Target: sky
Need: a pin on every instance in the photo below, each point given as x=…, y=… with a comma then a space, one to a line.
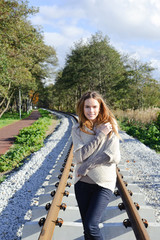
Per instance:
x=133, y=26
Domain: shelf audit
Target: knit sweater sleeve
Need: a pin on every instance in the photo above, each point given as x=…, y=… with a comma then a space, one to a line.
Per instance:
x=82, y=151
x=110, y=154
x=88, y=164
x=112, y=149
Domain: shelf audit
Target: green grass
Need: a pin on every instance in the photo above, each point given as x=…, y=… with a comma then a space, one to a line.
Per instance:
x=2, y=178
x=30, y=139
x=149, y=133
x=9, y=118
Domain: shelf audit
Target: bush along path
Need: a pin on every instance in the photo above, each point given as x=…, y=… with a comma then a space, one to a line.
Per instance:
x=29, y=139
x=149, y=134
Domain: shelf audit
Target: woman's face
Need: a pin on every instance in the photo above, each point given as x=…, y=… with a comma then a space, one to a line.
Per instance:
x=91, y=109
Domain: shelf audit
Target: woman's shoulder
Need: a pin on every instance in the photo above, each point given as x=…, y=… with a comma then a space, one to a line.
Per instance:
x=75, y=125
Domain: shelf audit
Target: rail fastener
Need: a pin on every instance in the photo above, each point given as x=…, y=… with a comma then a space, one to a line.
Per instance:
x=137, y=205
x=41, y=222
x=59, y=222
x=68, y=184
x=66, y=193
x=70, y=176
x=130, y=192
x=116, y=193
x=125, y=183
x=48, y=205
x=53, y=193
x=59, y=176
x=56, y=185
x=127, y=223
x=145, y=222
x=63, y=206
x=134, y=217
x=61, y=170
x=52, y=216
x=121, y=206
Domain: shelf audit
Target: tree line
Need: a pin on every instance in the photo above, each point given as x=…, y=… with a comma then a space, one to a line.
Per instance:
x=95, y=64
x=26, y=61
x=24, y=57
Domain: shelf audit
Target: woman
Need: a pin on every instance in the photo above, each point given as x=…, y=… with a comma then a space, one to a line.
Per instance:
x=96, y=153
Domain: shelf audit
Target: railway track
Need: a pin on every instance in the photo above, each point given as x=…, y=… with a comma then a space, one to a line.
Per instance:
x=57, y=216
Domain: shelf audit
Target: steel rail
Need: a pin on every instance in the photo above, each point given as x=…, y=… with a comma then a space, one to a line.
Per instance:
x=51, y=219
x=134, y=217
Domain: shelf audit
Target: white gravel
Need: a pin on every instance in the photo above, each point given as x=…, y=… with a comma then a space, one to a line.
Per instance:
x=21, y=189
x=144, y=167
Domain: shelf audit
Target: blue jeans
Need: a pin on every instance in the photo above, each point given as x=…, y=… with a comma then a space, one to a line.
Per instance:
x=92, y=201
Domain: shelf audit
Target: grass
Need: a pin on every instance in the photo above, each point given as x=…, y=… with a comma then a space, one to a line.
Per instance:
x=143, y=125
x=30, y=139
x=9, y=118
x=140, y=115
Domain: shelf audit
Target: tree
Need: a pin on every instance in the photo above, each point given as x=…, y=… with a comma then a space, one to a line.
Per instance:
x=24, y=56
x=140, y=84
x=93, y=65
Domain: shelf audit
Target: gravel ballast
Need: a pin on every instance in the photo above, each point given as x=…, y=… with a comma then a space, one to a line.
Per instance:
x=21, y=189
x=18, y=192
x=144, y=166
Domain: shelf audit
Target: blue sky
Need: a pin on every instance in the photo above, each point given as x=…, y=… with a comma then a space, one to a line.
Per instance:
x=133, y=26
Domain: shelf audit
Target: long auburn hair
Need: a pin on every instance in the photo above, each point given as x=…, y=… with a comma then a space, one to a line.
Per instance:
x=104, y=116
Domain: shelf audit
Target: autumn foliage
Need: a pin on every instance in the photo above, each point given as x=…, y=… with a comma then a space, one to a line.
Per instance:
x=34, y=96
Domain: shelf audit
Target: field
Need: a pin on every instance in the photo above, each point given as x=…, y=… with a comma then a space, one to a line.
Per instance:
x=142, y=124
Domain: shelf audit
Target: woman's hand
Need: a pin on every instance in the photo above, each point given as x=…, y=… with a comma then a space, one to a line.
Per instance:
x=106, y=128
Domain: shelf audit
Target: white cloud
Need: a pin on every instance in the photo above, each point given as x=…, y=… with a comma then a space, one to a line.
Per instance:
x=131, y=19
x=155, y=19
x=141, y=51
x=54, y=39
x=132, y=25
x=58, y=14
x=155, y=63
x=126, y=18
x=40, y=20
x=62, y=42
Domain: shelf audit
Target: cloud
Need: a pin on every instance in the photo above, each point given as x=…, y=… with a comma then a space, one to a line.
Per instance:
x=53, y=15
x=132, y=25
x=126, y=18
x=62, y=42
x=155, y=63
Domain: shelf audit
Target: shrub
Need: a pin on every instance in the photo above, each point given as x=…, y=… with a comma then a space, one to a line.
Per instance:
x=30, y=139
x=148, y=133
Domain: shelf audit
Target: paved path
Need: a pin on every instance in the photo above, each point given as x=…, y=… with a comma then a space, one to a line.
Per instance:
x=7, y=133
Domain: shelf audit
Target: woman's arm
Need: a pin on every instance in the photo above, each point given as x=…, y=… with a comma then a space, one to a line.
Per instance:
x=83, y=151
x=92, y=146
x=111, y=154
x=89, y=148
x=89, y=164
